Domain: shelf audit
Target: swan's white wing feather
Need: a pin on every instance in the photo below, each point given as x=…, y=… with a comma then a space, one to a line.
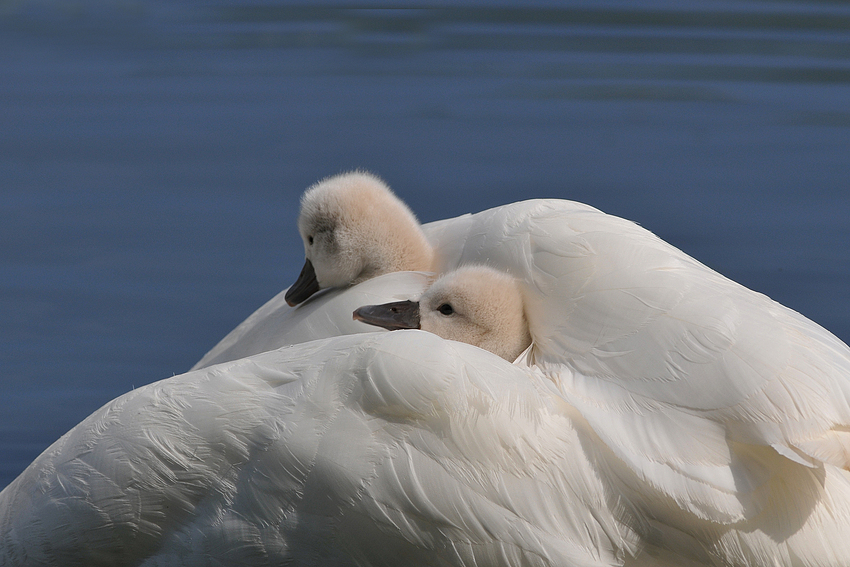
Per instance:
x=376, y=449
x=327, y=314
x=673, y=365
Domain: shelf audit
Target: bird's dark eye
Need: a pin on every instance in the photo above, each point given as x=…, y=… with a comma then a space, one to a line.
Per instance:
x=310, y=239
x=445, y=309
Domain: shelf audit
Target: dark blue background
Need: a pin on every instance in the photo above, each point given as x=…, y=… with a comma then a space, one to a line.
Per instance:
x=152, y=155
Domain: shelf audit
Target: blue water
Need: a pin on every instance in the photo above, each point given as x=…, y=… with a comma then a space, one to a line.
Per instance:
x=152, y=155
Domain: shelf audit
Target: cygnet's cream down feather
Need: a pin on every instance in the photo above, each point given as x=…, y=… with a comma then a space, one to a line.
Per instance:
x=354, y=228
x=476, y=305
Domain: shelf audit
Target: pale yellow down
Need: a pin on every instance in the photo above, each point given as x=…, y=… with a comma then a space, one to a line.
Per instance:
x=354, y=228
x=486, y=310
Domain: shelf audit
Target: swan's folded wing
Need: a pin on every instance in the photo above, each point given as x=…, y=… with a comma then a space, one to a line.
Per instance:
x=681, y=372
x=367, y=449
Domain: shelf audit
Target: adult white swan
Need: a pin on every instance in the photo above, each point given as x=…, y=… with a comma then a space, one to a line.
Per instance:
x=730, y=410
x=390, y=449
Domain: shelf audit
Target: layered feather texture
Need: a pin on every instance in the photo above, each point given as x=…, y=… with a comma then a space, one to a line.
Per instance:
x=346, y=451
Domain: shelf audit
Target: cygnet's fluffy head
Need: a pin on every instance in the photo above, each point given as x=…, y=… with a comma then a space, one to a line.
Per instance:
x=354, y=228
x=475, y=305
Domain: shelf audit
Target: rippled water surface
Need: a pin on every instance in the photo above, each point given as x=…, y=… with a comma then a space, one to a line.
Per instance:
x=152, y=155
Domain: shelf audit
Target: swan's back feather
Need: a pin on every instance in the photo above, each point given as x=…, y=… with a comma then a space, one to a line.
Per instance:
x=373, y=449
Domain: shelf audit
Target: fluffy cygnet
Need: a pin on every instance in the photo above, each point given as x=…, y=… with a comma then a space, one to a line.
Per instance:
x=474, y=304
x=354, y=228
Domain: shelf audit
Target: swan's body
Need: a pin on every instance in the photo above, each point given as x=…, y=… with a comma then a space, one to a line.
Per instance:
x=663, y=416
x=354, y=228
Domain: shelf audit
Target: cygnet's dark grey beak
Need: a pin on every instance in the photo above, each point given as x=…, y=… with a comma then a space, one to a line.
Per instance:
x=305, y=286
x=391, y=316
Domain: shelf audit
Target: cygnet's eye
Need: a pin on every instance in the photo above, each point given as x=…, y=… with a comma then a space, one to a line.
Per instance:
x=310, y=240
x=445, y=309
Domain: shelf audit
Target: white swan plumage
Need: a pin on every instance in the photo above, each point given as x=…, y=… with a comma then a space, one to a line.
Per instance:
x=339, y=452
x=664, y=415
